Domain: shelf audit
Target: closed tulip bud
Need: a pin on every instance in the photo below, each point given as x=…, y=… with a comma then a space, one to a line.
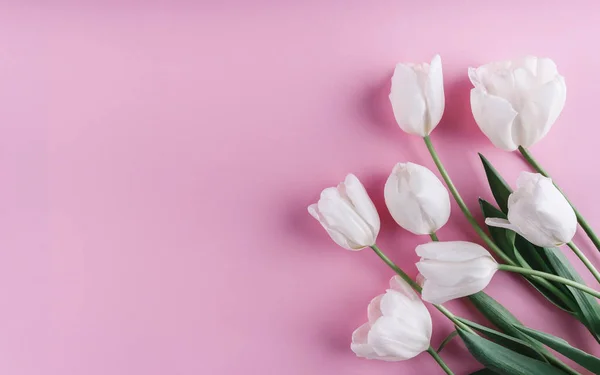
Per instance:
x=399, y=326
x=417, y=96
x=538, y=211
x=416, y=198
x=348, y=214
x=453, y=269
x=515, y=103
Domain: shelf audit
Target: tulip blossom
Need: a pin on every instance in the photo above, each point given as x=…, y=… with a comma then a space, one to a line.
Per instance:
x=515, y=103
x=399, y=325
x=417, y=96
x=416, y=198
x=453, y=269
x=348, y=214
x=538, y=211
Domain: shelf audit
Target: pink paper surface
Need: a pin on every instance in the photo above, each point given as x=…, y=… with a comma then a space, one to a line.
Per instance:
x=157, y=159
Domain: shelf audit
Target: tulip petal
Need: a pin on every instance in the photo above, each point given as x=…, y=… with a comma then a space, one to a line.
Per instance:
x=529, y=63
x=390, y=337
x=454, y=273
x=438, y=294
x=408, y=102
x=360, y=344
x=434, y=93
x=362, y=202
x=495, y=117
x=540, y=111
x=546, y=70
x=501, y=223
x=336, y=236
x=339, y=215
x=412, y=312
x=475, y=79
x=374, y=309
x=480, y=77
x=399, y=285
x=416, y=198
x=413, y=309
x=455, y=251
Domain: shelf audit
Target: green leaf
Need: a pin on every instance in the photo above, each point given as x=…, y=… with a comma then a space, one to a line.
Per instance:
x=484, y=371
x=500, y=189
x=589, y=309
x=448, y=338
x=519, y=346
x=532, y=256
x=501, y=318
x=586, y=360
x=504, y=361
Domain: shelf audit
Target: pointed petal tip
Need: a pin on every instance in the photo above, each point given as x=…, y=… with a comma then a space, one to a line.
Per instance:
x=313, y=210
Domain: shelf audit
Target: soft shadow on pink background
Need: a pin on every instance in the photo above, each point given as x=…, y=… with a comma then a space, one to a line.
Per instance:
x=157, y=159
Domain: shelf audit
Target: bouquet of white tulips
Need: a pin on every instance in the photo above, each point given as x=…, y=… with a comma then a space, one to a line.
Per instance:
x=515, y=103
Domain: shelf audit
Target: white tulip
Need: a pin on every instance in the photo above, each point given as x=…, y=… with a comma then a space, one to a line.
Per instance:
x=416, y=198
x=348, y=214
x=399, y=326
x=515, y=103
x=453, y=269
x=417, y=96
x=538, y=211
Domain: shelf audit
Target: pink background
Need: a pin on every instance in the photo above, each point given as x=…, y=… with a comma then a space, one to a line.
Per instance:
x=157, y=159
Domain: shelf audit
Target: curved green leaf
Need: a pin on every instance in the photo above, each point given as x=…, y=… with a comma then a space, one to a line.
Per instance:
x=586, y=360
x=500, y=317
x=518, y=345
x=589, y=309
x=499, y=187
x=447, y=340
x=504, y=361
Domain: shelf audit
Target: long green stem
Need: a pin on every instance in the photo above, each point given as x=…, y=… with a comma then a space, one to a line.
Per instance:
x=448, y=338
x=418, y=288
x=396, y=269
x=439, y=360
x=585, y=260
x=549, y=276
x=462, y=204
x=463, y=207
x=580, y=219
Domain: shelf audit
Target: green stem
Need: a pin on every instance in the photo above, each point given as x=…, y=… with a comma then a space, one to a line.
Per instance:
x=418, y=288
x=396, y=269
x=463, y=205
x=440, y=361
x=549, y=276
x=448, y=338
x=492, y=245
x=585, y=260
x=580, y=219
x=433, y=236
